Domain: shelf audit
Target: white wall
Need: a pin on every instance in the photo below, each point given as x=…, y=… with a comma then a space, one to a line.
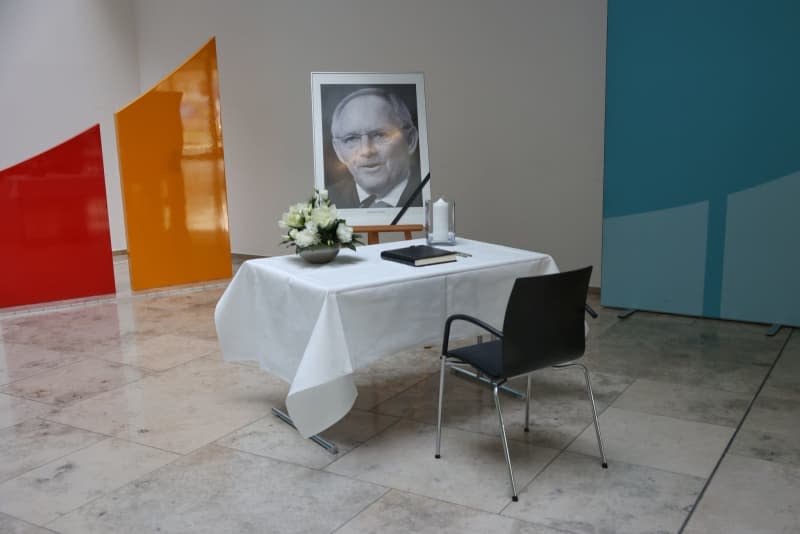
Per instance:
x=515, y=97
x=64, y=66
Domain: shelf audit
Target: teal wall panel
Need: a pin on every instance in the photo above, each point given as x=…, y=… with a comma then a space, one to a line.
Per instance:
x=643, y=246
x=702, y=107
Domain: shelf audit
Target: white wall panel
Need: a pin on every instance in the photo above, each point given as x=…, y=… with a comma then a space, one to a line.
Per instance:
x=65, y=65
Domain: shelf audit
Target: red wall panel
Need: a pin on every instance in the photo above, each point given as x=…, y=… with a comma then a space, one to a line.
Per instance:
x=54, y=237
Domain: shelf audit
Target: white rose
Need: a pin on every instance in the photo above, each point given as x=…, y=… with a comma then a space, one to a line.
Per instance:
x=344, y=233
x=306, y=238
x=323, y=194
x=324, y=216
x=304, y=208
x=293, y=219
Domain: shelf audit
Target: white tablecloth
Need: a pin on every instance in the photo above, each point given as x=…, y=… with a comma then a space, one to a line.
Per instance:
x=312, y=325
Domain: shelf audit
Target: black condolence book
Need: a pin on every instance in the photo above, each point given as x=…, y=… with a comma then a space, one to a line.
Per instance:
x=419, y=255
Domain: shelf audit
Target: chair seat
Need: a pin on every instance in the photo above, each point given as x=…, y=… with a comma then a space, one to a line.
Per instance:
x=485, y=357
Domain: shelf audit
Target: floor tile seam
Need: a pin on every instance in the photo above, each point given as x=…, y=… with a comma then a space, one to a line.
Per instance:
x=38, y=373
x=267, y=456
x=600, y=413
x=744, y=454
x=684, y=419
x=358, y=445
x=634, y=464
x=96, y=394
x=735, y=434
x=450, y=426
x=659, y=365
x=43, y=404
x=557, y=453
x=242, y=427
x=29, y=523
x=780, y=431
x=387, y=399
x=148, y=370
x=323, y=470
x=44, y=308
x=445, y=502
x=361, y=511
x=565, y=448
x=216, y=443
x=611, y=465
x=149, y=446
x=123, y=485
x=678, y=419
x=479, y=433
x=616, y=376
x=535, y=476
x=698, y=388
x=791, y=467
x=516, y=440
x=105, y=437
x=148, y=374
x=47, y=418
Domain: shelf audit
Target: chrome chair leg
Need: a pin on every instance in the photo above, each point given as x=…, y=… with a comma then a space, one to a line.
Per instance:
x=528, y=405
x=594, y=415
x=505, y=442
x=439, y=411
x=590, y=394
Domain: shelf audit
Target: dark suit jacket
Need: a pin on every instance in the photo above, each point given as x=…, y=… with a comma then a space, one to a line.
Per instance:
x=343, y=193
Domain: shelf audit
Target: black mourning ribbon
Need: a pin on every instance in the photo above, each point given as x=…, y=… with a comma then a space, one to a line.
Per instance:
x=411, y=198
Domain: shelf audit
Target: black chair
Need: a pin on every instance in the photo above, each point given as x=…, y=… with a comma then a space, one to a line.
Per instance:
x=543, y=327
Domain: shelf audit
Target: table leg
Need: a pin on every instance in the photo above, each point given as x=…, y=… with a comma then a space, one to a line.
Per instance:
x=316, y=438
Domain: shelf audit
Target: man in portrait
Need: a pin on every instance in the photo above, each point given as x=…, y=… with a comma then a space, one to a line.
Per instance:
x=374, y=137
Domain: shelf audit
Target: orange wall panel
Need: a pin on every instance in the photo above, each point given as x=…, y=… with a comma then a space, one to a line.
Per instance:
x=173, y=178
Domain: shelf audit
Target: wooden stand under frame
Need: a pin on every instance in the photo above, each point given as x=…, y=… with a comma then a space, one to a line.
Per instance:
x=373, y=231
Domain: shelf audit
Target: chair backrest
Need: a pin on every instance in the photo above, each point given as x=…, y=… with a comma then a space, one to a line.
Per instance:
x=544, y=322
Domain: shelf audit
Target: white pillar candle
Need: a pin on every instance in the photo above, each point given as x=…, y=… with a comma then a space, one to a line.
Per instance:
x=441, y=216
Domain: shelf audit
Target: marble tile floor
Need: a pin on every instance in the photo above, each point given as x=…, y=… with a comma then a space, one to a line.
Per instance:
x=119, y=414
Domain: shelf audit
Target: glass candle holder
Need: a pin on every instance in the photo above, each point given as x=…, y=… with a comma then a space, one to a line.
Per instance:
x=440, y=222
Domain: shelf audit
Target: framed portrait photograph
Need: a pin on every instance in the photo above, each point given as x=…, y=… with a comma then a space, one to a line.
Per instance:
x=371, y=144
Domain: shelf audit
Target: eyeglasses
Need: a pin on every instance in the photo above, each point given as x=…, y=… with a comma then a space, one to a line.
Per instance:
x=376, y=137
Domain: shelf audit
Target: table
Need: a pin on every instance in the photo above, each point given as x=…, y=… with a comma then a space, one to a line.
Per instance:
x=313, y=325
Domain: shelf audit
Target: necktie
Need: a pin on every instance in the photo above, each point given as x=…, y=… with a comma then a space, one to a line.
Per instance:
x=370, y=202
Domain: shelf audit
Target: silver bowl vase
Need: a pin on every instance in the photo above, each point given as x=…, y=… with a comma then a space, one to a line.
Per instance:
x=319, y=255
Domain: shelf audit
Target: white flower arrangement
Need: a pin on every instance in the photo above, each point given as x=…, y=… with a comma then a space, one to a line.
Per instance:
x=316, y=224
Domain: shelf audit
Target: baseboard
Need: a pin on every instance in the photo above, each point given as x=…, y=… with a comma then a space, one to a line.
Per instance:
x=245, y=257
x=238, y=257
